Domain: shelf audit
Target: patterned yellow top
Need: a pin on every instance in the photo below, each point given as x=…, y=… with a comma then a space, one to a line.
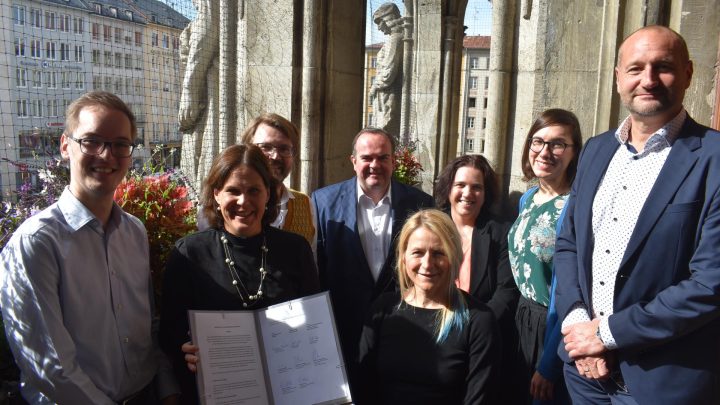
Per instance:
x=299, y=216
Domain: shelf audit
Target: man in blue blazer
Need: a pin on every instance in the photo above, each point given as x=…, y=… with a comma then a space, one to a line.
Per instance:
x=358, y=220
x=638, y=259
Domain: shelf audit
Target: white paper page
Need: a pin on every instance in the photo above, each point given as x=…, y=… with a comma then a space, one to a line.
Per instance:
x=231, y=370
x=303, y=358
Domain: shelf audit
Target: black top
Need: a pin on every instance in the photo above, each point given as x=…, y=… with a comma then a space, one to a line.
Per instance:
x=401, y=363
x=197, y=278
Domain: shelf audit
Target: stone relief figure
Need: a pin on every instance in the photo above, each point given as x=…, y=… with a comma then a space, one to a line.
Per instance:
x=386, y=91
x=199, y=110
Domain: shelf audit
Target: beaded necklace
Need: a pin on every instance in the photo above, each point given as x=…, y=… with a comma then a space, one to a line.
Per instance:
x=236, y=282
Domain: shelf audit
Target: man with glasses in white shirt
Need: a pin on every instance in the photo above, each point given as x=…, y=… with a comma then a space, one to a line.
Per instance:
x=76, y=295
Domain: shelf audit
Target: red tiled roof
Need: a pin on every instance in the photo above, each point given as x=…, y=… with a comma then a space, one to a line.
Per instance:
x=476, y=42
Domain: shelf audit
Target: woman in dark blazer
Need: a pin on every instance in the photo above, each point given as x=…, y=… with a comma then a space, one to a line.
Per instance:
x=466, y=189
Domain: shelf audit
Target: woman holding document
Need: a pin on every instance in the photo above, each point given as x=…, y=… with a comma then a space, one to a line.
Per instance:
x=241, y=262
x=432, y=343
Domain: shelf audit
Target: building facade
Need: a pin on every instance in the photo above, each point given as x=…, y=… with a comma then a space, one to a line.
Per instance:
x=53, y=51
x=474, y=84
x=46, y=55
x=163, y=77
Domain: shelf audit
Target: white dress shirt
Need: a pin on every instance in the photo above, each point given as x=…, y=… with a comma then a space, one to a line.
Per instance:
x=374, y=222
x=616, y=208
x=77, y=306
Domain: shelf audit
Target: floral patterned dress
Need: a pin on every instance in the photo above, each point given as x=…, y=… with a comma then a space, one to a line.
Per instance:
x=532, y=245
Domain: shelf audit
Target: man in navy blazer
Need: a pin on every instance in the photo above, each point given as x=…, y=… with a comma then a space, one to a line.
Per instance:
x=358, y=220
x=638, y=259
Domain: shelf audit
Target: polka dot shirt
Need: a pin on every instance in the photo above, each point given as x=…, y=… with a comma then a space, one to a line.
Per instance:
x=617, y=205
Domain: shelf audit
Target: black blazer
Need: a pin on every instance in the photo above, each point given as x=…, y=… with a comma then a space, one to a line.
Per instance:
x=491, y=280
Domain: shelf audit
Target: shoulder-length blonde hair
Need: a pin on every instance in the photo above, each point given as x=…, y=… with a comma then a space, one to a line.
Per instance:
x=455, y=313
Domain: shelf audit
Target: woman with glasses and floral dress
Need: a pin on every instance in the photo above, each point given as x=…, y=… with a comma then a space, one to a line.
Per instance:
x=550, y=157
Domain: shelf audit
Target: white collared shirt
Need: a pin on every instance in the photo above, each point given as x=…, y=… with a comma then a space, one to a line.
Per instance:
x=374, y=222
x=616, y=208
x=279, y=222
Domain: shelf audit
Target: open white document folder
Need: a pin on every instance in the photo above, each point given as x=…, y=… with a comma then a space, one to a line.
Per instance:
x=285, y=354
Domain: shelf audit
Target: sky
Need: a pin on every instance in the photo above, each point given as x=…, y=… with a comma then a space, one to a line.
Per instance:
x=478, y=16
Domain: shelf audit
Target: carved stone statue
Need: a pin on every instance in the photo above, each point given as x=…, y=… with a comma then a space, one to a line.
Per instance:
x=199, y=111
x=387, y=89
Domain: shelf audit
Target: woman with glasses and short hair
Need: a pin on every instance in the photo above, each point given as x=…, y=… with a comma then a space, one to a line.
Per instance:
x=550, y=157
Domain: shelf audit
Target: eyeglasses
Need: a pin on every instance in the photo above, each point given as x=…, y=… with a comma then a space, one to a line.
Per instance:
x=282, y=150
x=556, y=147
x=94, y=147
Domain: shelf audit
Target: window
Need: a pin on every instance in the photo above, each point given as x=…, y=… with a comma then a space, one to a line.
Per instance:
x=154, y=39
x=108, y=83
x=470, y=122
x=98, y=8
x=20, y=77
x=128, y=61
x=474, y=63
x=49, y=50
x=36, y=108
x=50, y=20
x=19, y=14
x=64, y=51
x=19, y=46
x=113, y=11
x=469, y=144
x=96, y=56
x=80, y=80
x=52, y=108
x=484, y=125
x=95, y=31
x=487, y=81
x=118, y=35
x=155, y=86
x=138, y=62
x=471, y=102
x=129, y=85
x=165, y=41
x=175, y=43
x=35, y=18
x=35, y=50
x=22, y=108
x=78, y=25
x=473, y=82
x=108, y=58
x=138, y=38
x=107, y=33
x=373, y=63
x=118, y=60
x=36, y=78
x=138, y=86
x=129, y=14
x=128, y=38
x=484, y=63
x=65, y=80
x=97, y=82
x=153, y=62
x=485, y=103
x=118, y=85
x=64, y=22
x=51, y=80
x=79, y=53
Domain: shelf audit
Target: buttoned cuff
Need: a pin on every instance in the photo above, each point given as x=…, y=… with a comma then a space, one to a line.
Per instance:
x=578, y=313
x=605, y=334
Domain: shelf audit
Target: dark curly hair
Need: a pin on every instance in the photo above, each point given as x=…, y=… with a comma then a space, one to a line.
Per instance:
x=444, y=182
